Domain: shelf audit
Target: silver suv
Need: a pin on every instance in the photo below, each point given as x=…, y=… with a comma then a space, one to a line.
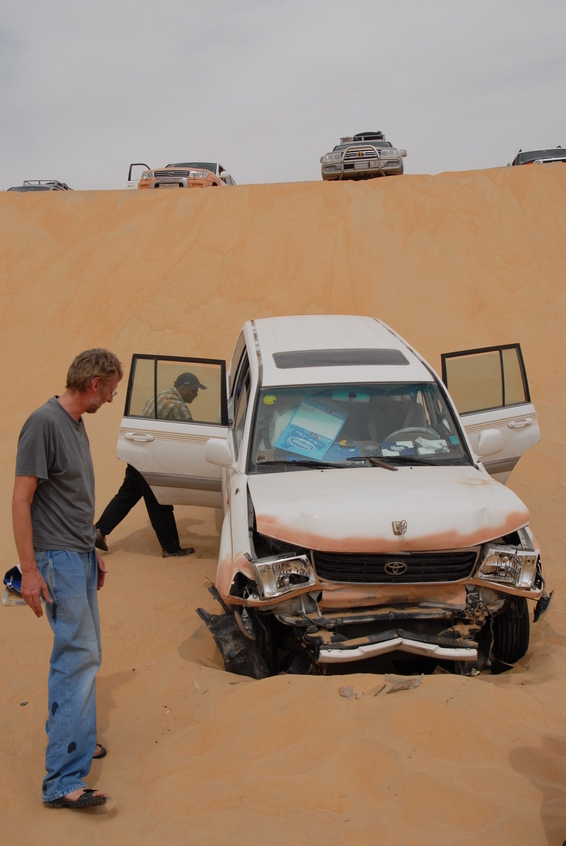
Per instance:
x=558, y=154
x=363, y=156
x=41, y=185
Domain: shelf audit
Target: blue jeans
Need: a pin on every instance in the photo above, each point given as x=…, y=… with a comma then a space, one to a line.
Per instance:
x=71, y=725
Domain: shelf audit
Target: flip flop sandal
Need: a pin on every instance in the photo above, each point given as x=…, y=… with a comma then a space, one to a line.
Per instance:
x=86, y=800
x=101, y=754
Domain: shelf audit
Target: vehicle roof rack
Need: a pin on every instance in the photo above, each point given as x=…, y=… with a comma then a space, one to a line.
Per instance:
x=56, y=182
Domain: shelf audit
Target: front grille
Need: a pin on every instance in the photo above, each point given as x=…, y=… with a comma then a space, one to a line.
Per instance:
x=354, y=154
x=421, y=567
x=171, y=174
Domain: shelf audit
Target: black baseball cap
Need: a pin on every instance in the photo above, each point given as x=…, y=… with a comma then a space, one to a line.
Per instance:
x=189, y=379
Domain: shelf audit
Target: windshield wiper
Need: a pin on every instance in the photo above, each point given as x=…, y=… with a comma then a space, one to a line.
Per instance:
x=373, y=459
x=412, y=459
x=300, y=462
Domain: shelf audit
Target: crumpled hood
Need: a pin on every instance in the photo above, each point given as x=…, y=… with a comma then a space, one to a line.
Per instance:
x=353, y=510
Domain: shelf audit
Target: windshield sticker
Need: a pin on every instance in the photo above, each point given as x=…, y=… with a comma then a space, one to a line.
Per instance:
x=269, y=399
x=312, y=429
x=342, y=450
x=420, y=446
x=398, y=448
x=428, y=447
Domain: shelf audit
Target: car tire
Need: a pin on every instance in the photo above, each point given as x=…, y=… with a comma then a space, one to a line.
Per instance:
x=511, y=631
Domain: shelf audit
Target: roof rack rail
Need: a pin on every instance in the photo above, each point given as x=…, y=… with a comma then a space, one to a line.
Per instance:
x=61, y=185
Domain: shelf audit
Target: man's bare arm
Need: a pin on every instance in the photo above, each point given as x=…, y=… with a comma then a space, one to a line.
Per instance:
x=33, y=585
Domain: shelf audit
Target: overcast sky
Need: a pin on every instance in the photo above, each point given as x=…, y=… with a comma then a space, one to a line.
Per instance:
x=266, y=88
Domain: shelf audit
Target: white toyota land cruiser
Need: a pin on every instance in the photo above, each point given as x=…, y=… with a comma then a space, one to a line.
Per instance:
x=362, y=156
x=362, y=515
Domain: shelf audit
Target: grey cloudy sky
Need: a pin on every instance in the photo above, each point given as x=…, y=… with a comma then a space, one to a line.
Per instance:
x=265, y=87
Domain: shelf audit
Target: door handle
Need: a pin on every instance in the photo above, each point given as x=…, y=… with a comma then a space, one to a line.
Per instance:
x=139, y=437
x=519, y=424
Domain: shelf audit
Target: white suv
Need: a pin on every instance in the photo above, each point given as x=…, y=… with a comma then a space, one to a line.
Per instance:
x=362, y=156
x=359, y=514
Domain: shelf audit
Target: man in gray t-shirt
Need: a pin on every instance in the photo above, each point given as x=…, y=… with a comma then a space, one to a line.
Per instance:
x=54, y=447
x=53, y=514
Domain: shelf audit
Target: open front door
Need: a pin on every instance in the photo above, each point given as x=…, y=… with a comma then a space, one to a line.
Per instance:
x=490, y=390
x=133, y=183
x=173, y=407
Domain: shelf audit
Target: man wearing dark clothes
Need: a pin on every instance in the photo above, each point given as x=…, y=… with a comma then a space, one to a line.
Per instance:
x=133, y=488
x=170, y=404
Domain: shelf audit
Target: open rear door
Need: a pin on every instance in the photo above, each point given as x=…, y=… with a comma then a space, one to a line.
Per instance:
x=490, y=390
x=159, y=438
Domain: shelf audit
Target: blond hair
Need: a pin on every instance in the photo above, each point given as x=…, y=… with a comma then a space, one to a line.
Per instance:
x=90, y=364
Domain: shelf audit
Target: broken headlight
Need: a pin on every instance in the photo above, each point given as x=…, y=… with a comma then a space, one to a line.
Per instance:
x=509, y=566
x=282, y=574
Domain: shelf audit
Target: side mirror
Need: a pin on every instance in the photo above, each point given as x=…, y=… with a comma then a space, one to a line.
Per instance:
x=403, y=153
x=490, y=441
x=217, y=451
x=224, y=175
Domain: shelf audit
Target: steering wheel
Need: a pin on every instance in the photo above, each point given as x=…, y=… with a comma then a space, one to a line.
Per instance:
x=410, y=433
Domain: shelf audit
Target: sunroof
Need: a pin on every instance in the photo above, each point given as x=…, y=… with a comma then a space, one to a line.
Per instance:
x=337, y=358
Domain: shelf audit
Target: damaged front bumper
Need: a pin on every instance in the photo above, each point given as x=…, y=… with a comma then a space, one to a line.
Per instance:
x=449, y=633
x=395, y=641
x=278, y=604
x=355, y=635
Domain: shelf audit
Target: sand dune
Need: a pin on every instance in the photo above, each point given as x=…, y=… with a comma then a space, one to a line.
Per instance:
x=197, y=755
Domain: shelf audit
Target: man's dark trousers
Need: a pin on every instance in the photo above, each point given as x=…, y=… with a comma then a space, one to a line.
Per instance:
x=133, y=488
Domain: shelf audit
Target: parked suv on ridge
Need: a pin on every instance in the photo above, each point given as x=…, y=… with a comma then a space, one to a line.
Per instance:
x=181, y=175
x=362, y=514
x=362, y=156
x=41, y=185
x=558, y=154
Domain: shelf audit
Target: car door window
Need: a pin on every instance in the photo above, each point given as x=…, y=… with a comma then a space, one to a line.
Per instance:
x=240, y=400
x=183, y=390
x=480, y=380
x=158, y=437
x=235, y=363
x=490, y=390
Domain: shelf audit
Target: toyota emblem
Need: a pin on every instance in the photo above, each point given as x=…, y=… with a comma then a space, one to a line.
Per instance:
x=395, y=568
